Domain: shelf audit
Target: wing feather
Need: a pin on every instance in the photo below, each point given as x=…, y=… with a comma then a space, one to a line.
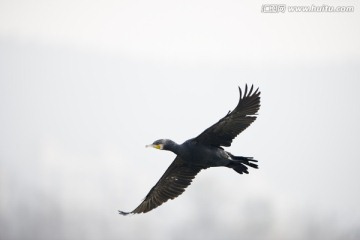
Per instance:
x=227, y=128
x=176, y=178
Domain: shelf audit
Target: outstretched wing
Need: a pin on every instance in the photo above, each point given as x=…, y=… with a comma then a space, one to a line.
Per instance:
x=226, y=129
x=176, y=178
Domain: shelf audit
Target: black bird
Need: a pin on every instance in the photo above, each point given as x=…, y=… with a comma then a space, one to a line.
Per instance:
x=203, y=152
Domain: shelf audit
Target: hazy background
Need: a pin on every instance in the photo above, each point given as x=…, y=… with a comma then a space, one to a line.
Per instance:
x=85, y=85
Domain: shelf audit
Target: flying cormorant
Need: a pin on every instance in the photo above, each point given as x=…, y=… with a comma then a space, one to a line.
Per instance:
x=203, y=152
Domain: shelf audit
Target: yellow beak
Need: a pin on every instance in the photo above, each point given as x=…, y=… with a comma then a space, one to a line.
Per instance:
x=157, y=146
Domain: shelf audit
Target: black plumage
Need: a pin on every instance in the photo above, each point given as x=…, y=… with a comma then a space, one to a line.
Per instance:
x=202, y=152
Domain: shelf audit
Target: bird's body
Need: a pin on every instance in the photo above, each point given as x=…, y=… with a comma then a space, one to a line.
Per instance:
x=198, y=154
x=202, y=152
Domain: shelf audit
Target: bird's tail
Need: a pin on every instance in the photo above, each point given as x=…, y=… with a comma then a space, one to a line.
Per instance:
x=239, y=164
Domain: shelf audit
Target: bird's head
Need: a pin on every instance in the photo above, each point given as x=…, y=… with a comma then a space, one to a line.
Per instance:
x=162, y=144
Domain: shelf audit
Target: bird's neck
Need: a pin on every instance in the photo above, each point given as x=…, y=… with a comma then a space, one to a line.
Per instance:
x=173, y=147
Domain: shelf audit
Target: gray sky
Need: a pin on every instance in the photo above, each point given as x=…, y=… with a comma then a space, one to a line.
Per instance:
x=84, y=86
